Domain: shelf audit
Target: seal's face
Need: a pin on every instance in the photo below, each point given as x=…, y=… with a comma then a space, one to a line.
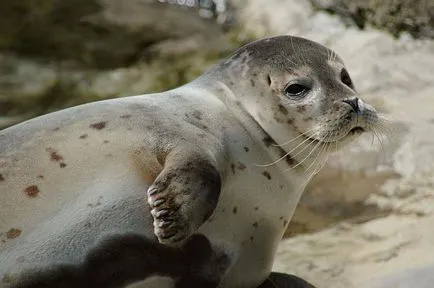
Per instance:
x=307, y=93
x=320, y=101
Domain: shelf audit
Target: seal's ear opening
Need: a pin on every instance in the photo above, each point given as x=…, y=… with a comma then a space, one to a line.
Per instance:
x=197, y=249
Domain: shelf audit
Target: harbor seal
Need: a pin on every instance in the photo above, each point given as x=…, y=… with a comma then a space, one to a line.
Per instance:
x=118, y=189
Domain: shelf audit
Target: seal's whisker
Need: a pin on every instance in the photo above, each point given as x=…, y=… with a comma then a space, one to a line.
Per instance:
x=295, y=51
x=335, y=55
x=380, y=141
x=314, y=170
x=324, y=161
x=287, y=154
x=317, y=159
x=310, y=153
x=386, y=133
x=289, y=60
x=294, y=139
x=384, y=128
x=372, y=139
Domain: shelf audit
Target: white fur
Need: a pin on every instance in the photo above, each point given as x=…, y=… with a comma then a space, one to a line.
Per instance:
x=98, y=194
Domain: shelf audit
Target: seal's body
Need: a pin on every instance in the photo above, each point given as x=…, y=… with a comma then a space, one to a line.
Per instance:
x=87, y=192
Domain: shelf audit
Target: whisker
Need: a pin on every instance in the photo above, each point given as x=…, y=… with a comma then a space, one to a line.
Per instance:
x=316, y=163
x=287, y=59
x=310, y=153
x=319, y=144
x=381, y=142
x=288, y=153
x=293, y=139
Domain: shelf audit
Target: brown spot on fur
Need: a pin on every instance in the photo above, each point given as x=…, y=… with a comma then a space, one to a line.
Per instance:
x=307, y=119
x=252, y=238
x=235, y=210
x=252, y=82
x=54, y=156
x=281, y=218
x=290, y=121
x=32, y=191
x=40, y=176
x=98, y=126
x=267, y=174
x=84, y=136
x=277, y=118
x=106, y=141
x=246, y=149
x=233, y=168
x=282, y=109
x=2, y=178
x=255, y=224
x=62, y=165
x=241, y=166
x=290, y=161
x=13, y=233
x=285, y=222
x=56, y=129
x=301, y=108
x=256, y=208
x=197, y=114
x=268, y=141
x=127, y=116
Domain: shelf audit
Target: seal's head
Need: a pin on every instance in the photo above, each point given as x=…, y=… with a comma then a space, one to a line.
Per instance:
x=298, y=90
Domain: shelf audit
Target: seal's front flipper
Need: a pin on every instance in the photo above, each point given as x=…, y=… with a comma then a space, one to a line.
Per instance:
x=282, y=280
x=184, y=194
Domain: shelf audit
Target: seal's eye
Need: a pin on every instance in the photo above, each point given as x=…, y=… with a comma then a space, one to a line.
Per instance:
x=345, y=78
x=296, y=90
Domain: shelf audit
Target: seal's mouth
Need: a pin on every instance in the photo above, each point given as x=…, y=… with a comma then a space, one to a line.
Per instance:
x=356, y=130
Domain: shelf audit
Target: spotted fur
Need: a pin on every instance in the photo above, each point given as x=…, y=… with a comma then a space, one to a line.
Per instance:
x=111, y=192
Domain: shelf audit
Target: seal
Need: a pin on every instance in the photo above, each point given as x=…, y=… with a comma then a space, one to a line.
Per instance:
x=112, y=192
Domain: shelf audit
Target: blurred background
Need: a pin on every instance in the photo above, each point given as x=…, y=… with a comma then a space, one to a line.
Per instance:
x=370, y=207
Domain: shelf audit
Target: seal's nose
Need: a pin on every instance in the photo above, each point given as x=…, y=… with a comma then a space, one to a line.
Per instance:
x=354, y=103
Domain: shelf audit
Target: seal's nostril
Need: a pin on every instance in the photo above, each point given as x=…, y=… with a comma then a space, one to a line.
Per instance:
x=354, y=103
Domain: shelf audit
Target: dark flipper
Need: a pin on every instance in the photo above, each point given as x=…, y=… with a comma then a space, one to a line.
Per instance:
x=282, y=280
x=184, y=195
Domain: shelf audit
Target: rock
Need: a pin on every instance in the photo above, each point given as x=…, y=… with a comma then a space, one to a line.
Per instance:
x=392, y=180
x=97, y=33
x=395, y=16
x=51, y=62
